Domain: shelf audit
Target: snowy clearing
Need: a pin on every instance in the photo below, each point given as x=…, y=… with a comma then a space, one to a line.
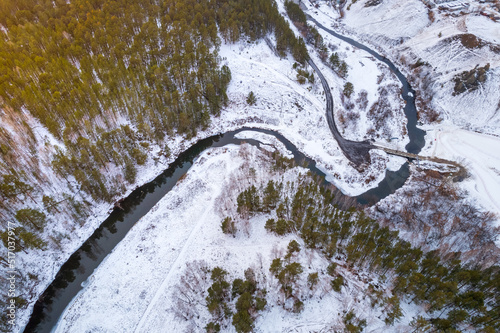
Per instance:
x=136, y=282
x=480, y=155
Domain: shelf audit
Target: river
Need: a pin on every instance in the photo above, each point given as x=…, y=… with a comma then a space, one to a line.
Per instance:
x=73, y=274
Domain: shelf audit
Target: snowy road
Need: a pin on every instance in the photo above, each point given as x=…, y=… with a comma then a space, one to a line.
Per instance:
x=356, y=152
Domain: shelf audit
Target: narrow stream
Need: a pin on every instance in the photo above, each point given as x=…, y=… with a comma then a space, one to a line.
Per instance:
x=68, y=281
x=393, y=179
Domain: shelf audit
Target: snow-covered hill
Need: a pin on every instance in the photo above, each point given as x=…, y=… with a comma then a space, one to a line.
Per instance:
x=411, y=33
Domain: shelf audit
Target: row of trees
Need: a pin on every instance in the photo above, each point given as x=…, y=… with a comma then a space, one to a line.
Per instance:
x=310, y=33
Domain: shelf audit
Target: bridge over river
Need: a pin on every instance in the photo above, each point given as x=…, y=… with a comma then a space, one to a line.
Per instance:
x=459, y=174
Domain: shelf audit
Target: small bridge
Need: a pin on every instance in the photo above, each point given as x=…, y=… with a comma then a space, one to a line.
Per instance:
x=459, y=174
x=400, y=153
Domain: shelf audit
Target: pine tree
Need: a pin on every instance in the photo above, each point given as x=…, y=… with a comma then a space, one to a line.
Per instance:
x=251, y=99
x=228, y=226
x=293, y=247
x=31, y=218
x=270, y=196
x=348, y=89
x=312, y=280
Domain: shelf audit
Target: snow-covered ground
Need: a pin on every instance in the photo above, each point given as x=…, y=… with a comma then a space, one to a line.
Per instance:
x=406, y=34
x=133, y=289
x=480, y=154
x=393, y=19
x=297, y=111
x=484, y=28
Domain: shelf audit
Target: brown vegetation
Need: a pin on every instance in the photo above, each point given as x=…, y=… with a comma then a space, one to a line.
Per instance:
x=435, y=215
x=470, y=41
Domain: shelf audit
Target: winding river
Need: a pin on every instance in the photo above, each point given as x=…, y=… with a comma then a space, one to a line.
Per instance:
x=73, y=274
x=416, y=135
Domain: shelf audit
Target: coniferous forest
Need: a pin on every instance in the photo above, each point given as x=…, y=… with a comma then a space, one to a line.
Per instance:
x=107, y=79
x=457, y=296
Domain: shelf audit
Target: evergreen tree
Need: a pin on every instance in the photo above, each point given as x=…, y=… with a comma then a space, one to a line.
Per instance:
x=348, y=89
x=228, y=226
x=270, y=197
x=251, y=99
x=31, y=218
x=312, y=280
x=218, y=295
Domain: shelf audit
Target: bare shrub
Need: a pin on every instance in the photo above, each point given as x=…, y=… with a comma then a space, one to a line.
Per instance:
x=380, y=78
x=434, y=214
x=189, y=293
x=362, y=99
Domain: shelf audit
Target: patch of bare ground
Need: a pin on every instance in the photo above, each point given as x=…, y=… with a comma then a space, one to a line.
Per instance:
x=470, y=41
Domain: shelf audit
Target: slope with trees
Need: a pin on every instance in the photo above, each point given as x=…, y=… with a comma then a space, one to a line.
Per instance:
x=456, y=295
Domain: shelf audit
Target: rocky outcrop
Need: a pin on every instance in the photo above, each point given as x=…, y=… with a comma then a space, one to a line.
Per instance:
x=470, y=80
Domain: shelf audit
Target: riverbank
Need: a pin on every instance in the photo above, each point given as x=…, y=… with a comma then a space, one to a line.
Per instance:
x=426, y=45
x=468, y=122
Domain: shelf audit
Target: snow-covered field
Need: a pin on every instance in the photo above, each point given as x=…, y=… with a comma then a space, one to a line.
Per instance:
x=480, y=154
x=136, y=283
x=393, y=19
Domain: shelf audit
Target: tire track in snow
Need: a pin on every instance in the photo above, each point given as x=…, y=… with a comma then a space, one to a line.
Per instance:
x=180, y=256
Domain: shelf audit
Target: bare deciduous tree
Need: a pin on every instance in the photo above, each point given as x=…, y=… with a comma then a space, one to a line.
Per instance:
x=189, y=293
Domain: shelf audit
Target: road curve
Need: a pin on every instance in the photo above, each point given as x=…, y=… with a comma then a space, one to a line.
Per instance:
x=415, y=134
x=356, y=151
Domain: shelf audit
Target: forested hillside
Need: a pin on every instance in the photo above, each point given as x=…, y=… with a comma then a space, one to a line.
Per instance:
x=456, y=296
x=104, y=81
x=108, y=78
